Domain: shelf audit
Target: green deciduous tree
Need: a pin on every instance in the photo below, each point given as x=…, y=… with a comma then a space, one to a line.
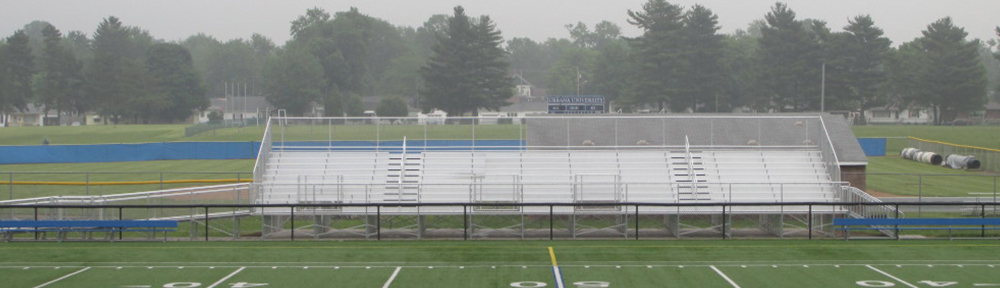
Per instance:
x=742, y=86
x=613, y=73
x=468, y=70
x=294, y=81
x=16, y=70
x=392, y=107
x=174, y=84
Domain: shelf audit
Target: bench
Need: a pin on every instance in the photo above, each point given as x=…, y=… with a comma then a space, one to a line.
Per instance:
x=898, y=224
x=62, y=227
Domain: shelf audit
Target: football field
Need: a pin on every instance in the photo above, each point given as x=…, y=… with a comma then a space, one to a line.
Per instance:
x=716, y=263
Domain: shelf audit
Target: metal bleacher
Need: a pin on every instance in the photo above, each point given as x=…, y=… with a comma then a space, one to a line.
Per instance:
x=577, y=176
x=746, y=159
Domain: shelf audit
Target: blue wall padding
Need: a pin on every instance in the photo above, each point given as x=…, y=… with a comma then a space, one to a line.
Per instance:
x=220, y=150
x=128, y=152
x=873, y=146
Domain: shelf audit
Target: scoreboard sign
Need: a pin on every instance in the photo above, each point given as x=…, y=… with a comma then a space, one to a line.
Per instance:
x=576, y=104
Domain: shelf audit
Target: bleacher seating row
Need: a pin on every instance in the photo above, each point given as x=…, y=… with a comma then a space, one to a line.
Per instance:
x=545, y=176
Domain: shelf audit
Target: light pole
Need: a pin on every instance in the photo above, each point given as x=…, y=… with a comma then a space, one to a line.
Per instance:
x=822, y=92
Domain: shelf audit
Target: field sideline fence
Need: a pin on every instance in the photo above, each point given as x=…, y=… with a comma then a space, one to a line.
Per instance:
x=226, y=222
x=990, y=158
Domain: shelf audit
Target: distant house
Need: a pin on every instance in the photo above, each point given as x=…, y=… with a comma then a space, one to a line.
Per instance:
x=236, y=108
x=33, y=116
x=896, y=115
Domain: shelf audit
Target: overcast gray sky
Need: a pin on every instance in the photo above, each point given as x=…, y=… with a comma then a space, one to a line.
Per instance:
x=902, y=20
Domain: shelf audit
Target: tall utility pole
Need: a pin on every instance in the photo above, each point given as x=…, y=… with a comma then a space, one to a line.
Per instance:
x=578, y=77
x=822, y=92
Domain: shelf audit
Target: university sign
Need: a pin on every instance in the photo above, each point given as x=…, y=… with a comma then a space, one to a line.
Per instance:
x=589, y=104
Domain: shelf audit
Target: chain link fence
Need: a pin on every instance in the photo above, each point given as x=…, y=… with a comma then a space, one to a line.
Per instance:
x=989, y=158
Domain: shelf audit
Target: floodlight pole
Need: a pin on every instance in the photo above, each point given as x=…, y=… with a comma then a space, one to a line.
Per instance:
x=822, y=91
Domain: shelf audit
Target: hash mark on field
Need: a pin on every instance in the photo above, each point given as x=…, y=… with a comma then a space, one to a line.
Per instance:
x=890, y=276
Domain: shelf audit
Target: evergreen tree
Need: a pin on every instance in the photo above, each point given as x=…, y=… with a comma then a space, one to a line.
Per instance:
x=953, y=79
x=867, y=50
x=659, y=52
x=294, y=81
x=468, y=70
x=703, y=51
x=790, y=68
x=16, y=70
x=741, y=85
x=61, y=78
x=116, y=78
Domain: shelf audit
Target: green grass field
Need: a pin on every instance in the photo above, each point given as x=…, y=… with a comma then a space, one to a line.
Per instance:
x=713, y=263
x=115, y=172
x=981, y=136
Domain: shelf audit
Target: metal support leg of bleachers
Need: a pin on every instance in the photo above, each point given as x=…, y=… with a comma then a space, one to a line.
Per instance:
x=371, y=227
x=773, y=224
x=724, y=225
x=421, y=226
x=673, y=224
x=321, y=225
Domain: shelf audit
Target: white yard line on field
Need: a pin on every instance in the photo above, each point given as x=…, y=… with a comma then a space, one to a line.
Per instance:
x=227, y=277
x=63, y=277
x=393, y=277
x=725, y=277
x=890, y=276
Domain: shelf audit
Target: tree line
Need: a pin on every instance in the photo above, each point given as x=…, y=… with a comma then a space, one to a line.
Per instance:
x=462, y=64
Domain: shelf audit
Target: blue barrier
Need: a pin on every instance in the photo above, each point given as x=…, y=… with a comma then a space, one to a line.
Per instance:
x=220, y=150
x=128, y=152
x=873, y=146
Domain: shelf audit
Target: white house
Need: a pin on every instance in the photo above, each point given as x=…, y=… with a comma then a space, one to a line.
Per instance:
x=892, y=115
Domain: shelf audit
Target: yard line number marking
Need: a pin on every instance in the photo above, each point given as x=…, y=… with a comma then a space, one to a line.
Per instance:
x=63, y=277
x=725, y=277
x=393, y=277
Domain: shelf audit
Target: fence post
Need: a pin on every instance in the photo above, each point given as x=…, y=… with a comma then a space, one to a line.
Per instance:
x=550, y=222
x=87, y=186
x=206, y=223
x=810, y=221
x=161, y=180
x=636, y=221
x=120, y=218
x=378, y=222
x=465, y=222
x=292, y=219
x=982, y=211
x=10, y=185
x=920, y=198
x=723, y=222
x=896, y=227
